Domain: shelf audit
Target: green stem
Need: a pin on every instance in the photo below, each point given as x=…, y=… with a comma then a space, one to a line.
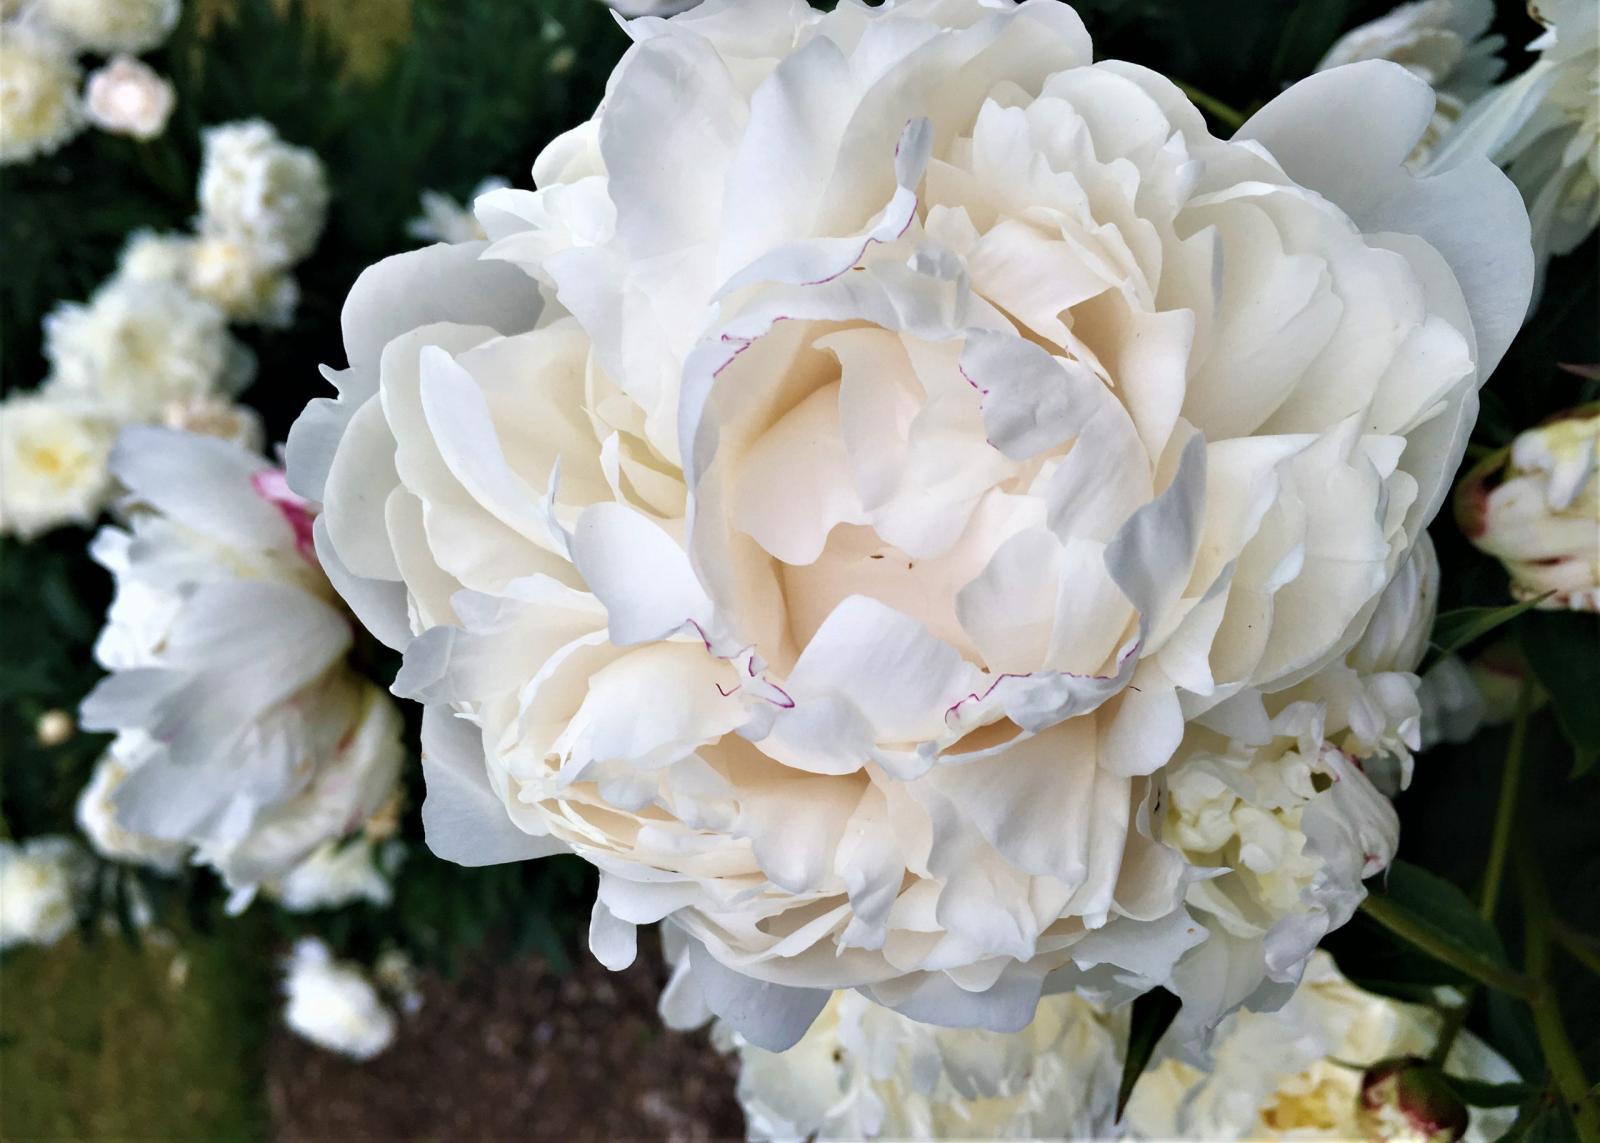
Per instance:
x=1565, y=1069
x=1223, y=113
x=1505, y=817
x=1479, y=968
x=1578, y=946
x=1450, y=1027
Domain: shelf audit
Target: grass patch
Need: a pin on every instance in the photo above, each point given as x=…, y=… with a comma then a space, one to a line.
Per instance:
x=105, y=1041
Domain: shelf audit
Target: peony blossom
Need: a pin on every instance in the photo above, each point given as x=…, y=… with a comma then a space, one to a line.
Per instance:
x=1536, y=507
x=39, y=108
x=127, y=97
x=216, y=417
x=258, y=190
x=136, y=347
x=251, y=741
x=1442, y=42
x=865, y=1072
x=53, y=459
x=1297, y=1073
x=97, y=818
x=338, y=874
x=108, y=26
x=1543, y=127
x=833, y=497
x=42, y=881
x=333, y=1003
x=443, y=219
x=230, y=274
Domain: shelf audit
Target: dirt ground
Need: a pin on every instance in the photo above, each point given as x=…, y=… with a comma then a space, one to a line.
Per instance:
x=510, y=1050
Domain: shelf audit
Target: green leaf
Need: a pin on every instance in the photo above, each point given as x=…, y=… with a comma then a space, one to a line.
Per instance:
x=1153, y=1014
x=1563, y=648
x=1477, y=1093
x=1453, y=630
x=1436, y=917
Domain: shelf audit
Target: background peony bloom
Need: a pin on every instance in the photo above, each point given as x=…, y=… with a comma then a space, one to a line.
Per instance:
x=334, y=1004
x=230, y=274
x=251, y=741
x=151, y=257
x=1297, y=1073
x=136, y=347
x=108, y=26
x=1536, y=507
x=127, y=97
x=259, y=191
x=97, y=818
x=1543, y=126
x=41, y=883
x=443, y=219
x=338, y=874
x=1443, y=43
x=53, y=459
x=945, y=424
x=865, y=1072
x=39, y=109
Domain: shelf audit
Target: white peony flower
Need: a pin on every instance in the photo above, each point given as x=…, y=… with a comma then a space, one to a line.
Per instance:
x=260, y=191
x=39, y=108
x=97, y=817
x=443, y=219
x=53, y=459
x=1442, y=42
x=333, y=1004
x=41, y=883
x=216, y=417
x=338, y=874
x=945, y=423
x=108, y=26
x=127, y=97
x=1296, y=1073
x=136, y=347
x=865, y=1072
x=151, y=257
x=632, y=8
x=1536, y=507
x=1543, y=127
x=229, y=273
x=243, y=731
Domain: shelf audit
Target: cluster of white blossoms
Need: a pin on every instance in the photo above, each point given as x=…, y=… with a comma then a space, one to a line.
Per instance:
x=152, y=345
x=1543, y=126
x=906, y=502
x=335, y=1004
x=1305, y=1071
x=1536, y=507
x=41, y=107
x=1297, y=1073
x=42, y=882
x=1443, y=43
x=245, y=745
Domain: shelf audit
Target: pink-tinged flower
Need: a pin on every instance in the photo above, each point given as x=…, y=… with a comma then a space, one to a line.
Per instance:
x=127, y=97
x=883, y=442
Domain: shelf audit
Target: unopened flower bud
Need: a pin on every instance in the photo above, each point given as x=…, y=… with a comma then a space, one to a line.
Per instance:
x=1408, y=1099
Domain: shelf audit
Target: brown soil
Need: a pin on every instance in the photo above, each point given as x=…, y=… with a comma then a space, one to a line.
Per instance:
x=510, y=1050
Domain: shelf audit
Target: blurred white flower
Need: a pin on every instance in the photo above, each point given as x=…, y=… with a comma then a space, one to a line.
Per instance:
x=866, y=1072
x=1442, y=42
x=54, y=727
x=97, y=818
x=339, y=873
x=148, y=256
x=1543, y=127
x=1536, y=507
x=443, y=219
x=41, y=883
x=53, y=463
x=230, y=273
x=109, y=26
x=39, y=107
x=136, y=347
x=334, y=1004
x=258, y=190
x=216, y=417
x=633, y=8
x=252, y=741
x=1297, y=1073
x=127, y=97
